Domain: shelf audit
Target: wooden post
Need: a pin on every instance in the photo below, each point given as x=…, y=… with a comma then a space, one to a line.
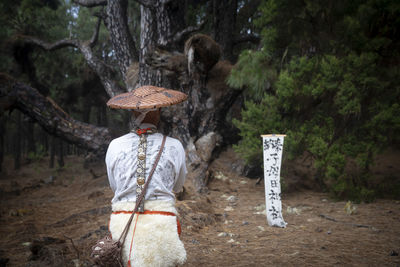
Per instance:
x=273, y=147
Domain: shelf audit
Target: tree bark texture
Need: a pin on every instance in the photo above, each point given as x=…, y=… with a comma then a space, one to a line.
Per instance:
x=209, y=101
x=224, y=24
x=51, y=117
x=121, y=39
x=106, y=74
x=148, y=41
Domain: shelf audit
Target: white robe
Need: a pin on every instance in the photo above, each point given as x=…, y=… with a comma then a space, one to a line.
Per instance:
x=156, y=241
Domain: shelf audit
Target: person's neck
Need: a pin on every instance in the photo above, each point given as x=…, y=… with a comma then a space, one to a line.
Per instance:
x=148, y=124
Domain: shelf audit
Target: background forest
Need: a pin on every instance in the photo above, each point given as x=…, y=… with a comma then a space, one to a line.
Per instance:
x=326, y=73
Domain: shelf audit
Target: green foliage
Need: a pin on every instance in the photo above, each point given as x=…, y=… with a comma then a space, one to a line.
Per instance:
x=346, y=189
x=257, y=119
x=257, y=78
x=38, y=155
x=332, y=87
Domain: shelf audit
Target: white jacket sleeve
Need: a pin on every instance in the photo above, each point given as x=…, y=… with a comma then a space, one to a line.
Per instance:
x=110, y=167
x=181, y=175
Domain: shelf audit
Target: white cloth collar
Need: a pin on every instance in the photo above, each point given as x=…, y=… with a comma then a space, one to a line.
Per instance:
x=147, y=125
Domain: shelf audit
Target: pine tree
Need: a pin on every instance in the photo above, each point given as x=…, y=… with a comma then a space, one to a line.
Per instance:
x=327, y=76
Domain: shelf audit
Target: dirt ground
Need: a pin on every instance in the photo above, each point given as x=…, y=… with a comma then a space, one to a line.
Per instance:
x=51, y=217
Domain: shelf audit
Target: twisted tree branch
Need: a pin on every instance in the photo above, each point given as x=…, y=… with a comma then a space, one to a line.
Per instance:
x=105, y=73
x=90, y=3
x=49, y=46
x=153, y=3
x=95, y=36
x=179, y=36
x=147, y=3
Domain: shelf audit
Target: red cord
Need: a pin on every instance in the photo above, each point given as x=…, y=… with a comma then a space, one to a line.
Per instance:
x=133, y=234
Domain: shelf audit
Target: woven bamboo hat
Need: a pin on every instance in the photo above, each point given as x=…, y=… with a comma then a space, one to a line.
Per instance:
x=147, y=97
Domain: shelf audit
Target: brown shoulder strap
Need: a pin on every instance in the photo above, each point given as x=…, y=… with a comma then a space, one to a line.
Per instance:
x=141, y=197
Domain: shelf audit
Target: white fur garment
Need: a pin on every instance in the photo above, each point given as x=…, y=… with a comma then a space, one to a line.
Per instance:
x=156, y=241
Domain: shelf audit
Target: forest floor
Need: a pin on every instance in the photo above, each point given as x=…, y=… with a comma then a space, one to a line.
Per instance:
x=51, y=218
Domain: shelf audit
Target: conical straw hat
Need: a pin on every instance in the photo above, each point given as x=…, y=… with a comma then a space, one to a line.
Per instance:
x=147, y=97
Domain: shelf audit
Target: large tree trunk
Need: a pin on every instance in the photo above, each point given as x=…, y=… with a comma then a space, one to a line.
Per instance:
x=121, y=39
x=51, y=117
x=148, y=41
x=224, y=23
x=198, y=121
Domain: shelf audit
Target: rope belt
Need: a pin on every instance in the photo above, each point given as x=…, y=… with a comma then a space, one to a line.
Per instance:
x=147, y=212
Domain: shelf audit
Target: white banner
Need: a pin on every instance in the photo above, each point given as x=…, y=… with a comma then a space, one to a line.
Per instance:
x=272, y=146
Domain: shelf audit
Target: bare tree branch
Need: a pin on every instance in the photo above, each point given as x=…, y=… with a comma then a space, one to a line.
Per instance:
x=95, y=35
x=162, y=59
x=49, y=46
x=153, y=3
x=90, y=3
x=164, y=2
x=105, y=73
x=179, y=36
x=147, y=3
x=247, y=38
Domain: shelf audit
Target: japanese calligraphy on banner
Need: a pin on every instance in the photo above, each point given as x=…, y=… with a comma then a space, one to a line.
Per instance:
x=273, y=146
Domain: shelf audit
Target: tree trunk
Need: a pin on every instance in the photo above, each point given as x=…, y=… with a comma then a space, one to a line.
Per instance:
x=45, y=140
x=52, y=151
x=30, y=137
x=60, y=157
x=102, y=116
x=148, y=41
x=86, y=112
x=224, y=23
x=198, y=117
x=17, y=143
x=121, y=39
